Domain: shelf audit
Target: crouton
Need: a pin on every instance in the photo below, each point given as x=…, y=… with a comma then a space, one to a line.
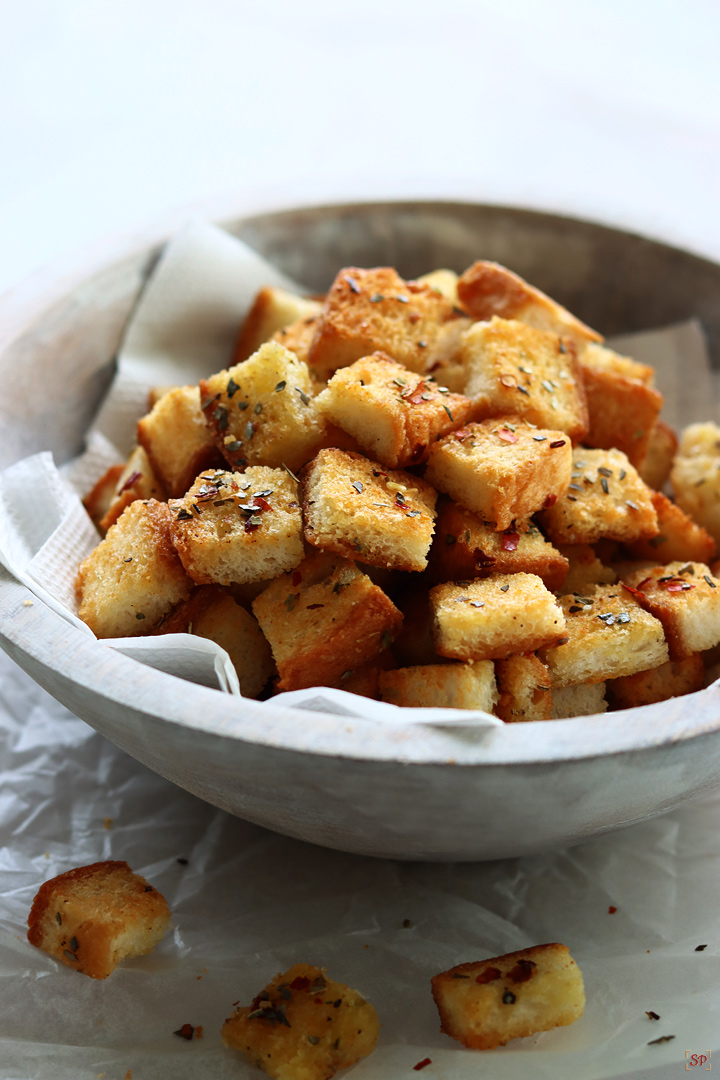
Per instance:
x=156, y=392
x=262, y=412
x=695, y=476
x=324, y=619
x=442, y=686
x=443, y=281
x=495, y=617
x=212, y=613
x=177, y=440
x=297, y=337
x=99, y=499
x=655, y=467
x=94, y=917
x=679, y=537
x=367, y=310
x=136, y=481
x=606, y=499
x=465, y=546
x=134, y=576
x=699, y=439
x=623, y=407
x=667, y=681
x=585, y=569
x=272, y=310
x=513, y=368
x=487, y=1003
x=365, y=678
x=303, y=1026
x=607, y=635
x=415, y=645
x=502, y=468
x=524, y=689
x=685, y=597
x=487, y=289
x=586, y=699
x=235, y=527
x=394, y=414
x=356, y=508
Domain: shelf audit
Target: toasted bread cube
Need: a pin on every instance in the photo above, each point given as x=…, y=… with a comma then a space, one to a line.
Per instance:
x=487, y=1003
x=502, y=468
x=134, y=576
x=524, y=689
x=697, y=440
x=655, y=467
x=367, y=310
x=304, y=1026
x=586, y=699
x=156, y=392
x=679, y=537
x=297, y=337
x=212, y=613
x=394, y=414
x=442, y=686
x=487, y=289
x=695, y=476
x=443, y=281
x=661, y=683
x=623, y=407
x=101, y=496
x=495, y=617
x=136, y=481
x=606, y=499
x=415, y=646
x=685, y=597
x=607, y=635
x=94, y=917
x=235, y=527
x=365, y=678
x=262, y=412
x=585, y=569
x=513, y=368
x=465, y=546
x=272, y=310
x=356, y=508
x=324, y=619
x=177, y=440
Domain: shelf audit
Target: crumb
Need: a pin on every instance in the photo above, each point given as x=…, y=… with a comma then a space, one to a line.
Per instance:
x=612, y=909
x=107, y=823
x=27, y=603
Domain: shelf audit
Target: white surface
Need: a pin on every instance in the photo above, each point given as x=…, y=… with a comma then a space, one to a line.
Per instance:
x=112, y=115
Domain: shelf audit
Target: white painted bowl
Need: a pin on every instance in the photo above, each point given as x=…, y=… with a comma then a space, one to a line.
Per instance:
x=400, y=791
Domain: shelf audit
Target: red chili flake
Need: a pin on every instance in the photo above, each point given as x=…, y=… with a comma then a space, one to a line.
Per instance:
x=612, y=909
x=522, y=971
x=301, y=983
x=678, y=586
x=296, y=578
x=510, y=541
x=633, y=590
x=185, y=1032
x=488, y=975
x=130, y=482
x=414, y=395
x=557, y=443
x=482, y=561
x=462, y=435
x=550, y=501
x=507, y=436
x=421, y=1064
x=261, y=503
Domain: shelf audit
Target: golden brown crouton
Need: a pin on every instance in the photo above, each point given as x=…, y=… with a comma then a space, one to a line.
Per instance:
x=678, y=538
x=136, y=481
x=586, y=699
x=585, y=569
x=414, y=644
x=699, y=439
x=524, y=688
x=502, y=468
x=516, y=369
x=303, y=1026
x=655, y=467
x=623, y=407
x=356, y=508
x=495, y=617
x=297, y=337
x=262, y=411
x=606, y=499
x=235, y=527
x=134, y=576
x=99, y=499
x=695, y=476
x=177, y=440
x=607, y=635
x=667, y=681
x=394, y=414
x=487, y=1003
x=487, y=289
x=212, y=613
x=324, y=619
x=94, y=917
x=272, y=310
x=685, y=597
x=365, y=678
x=442, y=686
x=443, y=281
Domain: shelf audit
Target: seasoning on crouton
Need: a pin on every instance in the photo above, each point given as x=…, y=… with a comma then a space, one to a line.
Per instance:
x=94, y=917
x=495, y=617
x=177, y=440
x=655, y=467
x=324, y=619
x=623, y=406
x=585, y=699
x=608, y=634
x=667, y=681
x=297, y=337
x=487, y=289
x=303, y=1026
x=262, y=412
x=513, y=368
x=442, y=686
x=487, y=1003
x=606, y=499
x=502, y=469
x=134, y=576
x=99, y=499
x=394, y=414
x=585, y=569
x=357, y=508
x=212, y=613
x=137, y=480
x=679, y=537
x=272, y=310
x=367, y=310
x=524, y=689
x=685, y=597
x=465, y=546
x=695, y=476
x=235, y=527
